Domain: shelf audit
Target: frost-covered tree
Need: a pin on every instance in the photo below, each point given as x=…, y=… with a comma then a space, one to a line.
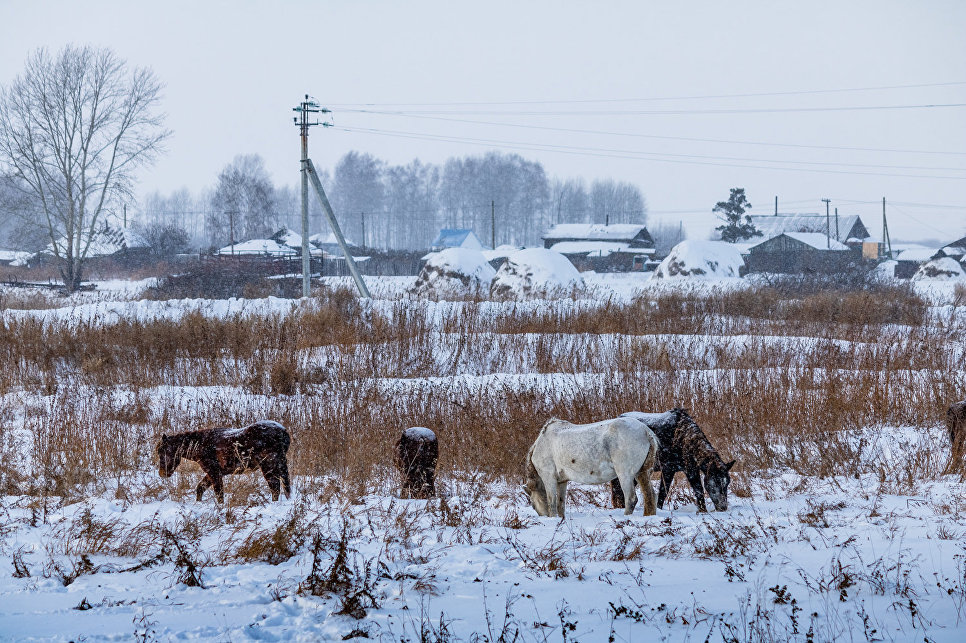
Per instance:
x=74, y=128
x=616, y=202
x=568, y=201
x=731, y=212
x=357, y=188
x=243, y=204
x=412, y=207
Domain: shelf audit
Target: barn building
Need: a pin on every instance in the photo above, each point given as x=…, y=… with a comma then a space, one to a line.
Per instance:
x=621, y=247
x=847, y=229
x=801, y=252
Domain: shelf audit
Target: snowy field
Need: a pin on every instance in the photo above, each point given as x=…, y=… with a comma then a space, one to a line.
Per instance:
x=871, y=548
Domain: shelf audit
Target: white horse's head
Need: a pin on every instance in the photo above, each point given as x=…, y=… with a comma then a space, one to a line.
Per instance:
x=535, y=489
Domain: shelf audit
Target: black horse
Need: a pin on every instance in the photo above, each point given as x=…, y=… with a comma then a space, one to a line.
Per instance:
x=416, y=454
x=221, y=452
x=684, y=447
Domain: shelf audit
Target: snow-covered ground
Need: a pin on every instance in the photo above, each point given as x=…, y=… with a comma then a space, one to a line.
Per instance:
x=866, y=554
x=838, y=558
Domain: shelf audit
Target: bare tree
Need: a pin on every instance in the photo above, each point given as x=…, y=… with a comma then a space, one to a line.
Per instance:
x=74, y=128
x=243, y=205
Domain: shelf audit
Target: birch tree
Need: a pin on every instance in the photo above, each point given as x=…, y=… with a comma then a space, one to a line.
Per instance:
x=74, y=129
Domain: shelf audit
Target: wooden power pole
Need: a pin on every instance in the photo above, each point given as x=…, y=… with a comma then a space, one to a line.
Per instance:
x=828, y=225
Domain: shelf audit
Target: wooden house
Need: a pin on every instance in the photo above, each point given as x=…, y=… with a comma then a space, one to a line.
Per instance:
x=801, y=252
x=621, y=247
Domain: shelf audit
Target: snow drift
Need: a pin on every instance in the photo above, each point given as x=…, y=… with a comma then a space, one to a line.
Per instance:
x=700, y=260
x=943, y=268
x=454, y=272
x=536, y=272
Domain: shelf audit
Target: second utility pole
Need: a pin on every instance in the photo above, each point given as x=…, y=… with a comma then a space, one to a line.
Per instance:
x=828, y=225
x=305, y=108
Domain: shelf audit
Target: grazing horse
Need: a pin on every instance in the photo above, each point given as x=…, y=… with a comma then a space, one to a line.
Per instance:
x=956, y=423
x=684, y=447
x=590, y=454
x=221, y=452
x=416, y=453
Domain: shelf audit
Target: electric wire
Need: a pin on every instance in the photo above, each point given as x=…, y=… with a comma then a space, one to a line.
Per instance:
x=569, y=130
x=657, y=98
x=653, y=158
x=552, y=146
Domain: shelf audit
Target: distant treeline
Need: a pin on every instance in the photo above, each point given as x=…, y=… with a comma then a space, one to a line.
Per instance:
x=398, y=206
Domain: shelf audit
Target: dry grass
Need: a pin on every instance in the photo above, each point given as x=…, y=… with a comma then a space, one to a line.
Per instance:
x=777, y=379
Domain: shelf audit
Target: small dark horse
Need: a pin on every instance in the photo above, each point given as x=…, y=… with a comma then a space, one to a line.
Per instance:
x=956, y=425
x=684, y=447
x=221, y=452
x=416, y=453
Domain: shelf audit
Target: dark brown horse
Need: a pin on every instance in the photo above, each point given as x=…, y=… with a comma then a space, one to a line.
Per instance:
x=416, y=453
x=221, y=452
x=683, y=447
x=956, y=424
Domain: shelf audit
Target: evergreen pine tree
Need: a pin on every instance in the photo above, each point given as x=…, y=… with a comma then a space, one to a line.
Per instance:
x=733, y=209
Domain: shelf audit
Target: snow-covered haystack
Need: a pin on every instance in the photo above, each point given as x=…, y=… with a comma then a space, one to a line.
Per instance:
x=454, y=272
x=943, y=268
x=700, y=260
x=885, y=270
x=536, y=272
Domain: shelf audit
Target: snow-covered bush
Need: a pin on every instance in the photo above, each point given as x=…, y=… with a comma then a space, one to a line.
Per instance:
x=536, y=272
x=454, y=272
x=701, y=260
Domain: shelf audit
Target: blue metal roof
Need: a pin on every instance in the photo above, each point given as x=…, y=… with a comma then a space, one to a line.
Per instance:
x=450, y=238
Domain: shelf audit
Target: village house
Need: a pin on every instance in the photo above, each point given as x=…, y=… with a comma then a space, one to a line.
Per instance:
x=620, y=247
x=451, y=238
x=801, y=252
x=847, y=229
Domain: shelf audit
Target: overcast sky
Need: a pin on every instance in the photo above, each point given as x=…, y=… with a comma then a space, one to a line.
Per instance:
x=579, y=83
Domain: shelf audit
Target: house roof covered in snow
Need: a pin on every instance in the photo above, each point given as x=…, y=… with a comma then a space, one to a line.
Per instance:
x=596, y=232
x=328, y=239
x=811, y=239
x=259, y=247
x=108, y=241
x=15, y=256
x=597, y=248
x=919, y=255
x=288, y=237
x=849, y=226
x=453, y=238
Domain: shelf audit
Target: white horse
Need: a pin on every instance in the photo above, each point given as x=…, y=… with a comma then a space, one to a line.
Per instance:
x=623, y=448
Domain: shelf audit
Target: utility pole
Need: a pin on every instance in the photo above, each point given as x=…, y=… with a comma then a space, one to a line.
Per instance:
x=493, y=224
x=837, y=224
x=305, y=108
x=336, y=230
x=828, y=227
x=885, y=231
x=231, y=228
x=363, y=215
x=125, y=216
x=776, y=205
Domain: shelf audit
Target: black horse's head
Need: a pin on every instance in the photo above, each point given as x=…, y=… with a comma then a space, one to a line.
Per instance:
x=169, y=456
x=716, y=481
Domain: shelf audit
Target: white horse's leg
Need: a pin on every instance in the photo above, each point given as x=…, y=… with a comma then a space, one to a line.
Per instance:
x=552, y=499
x=630, y=495
x=644, y=480
x=562, y=495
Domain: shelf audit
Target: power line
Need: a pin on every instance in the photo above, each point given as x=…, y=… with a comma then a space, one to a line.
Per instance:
x=620, y=151
x=660, y=98
x=641, y=157
x=667, y=112
x=569, y=130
